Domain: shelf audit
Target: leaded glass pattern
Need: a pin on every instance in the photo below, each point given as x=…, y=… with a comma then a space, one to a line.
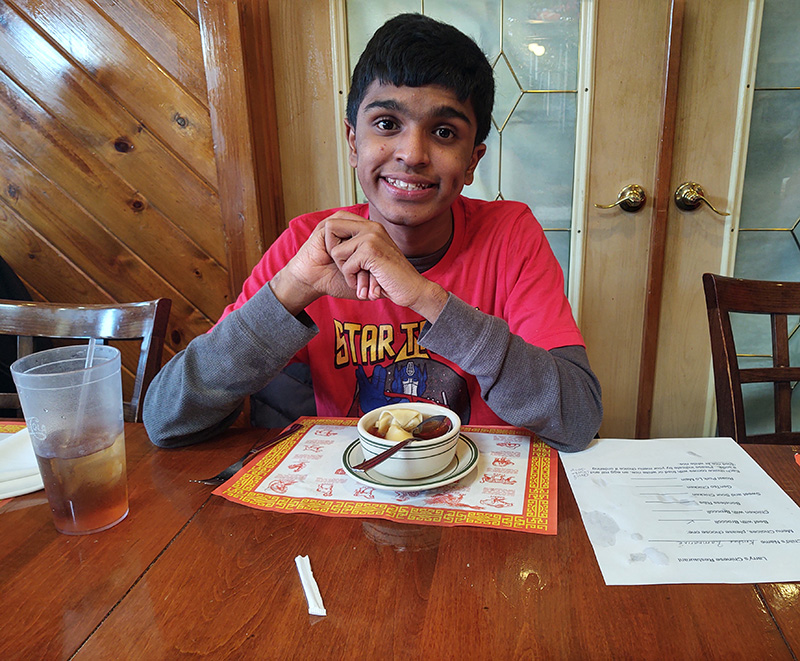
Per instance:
x=533, y=46
x=768, y=242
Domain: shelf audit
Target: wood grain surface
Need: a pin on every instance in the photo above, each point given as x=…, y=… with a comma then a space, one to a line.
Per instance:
x=782, y=600
x=193, y=574
x=57, y=588
x=123, y=175
x=658, y=229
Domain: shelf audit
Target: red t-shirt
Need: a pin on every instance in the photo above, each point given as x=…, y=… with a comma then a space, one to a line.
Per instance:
x=366, y=353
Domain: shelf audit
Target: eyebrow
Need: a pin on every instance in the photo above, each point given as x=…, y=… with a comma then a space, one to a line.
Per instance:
x=443, y=111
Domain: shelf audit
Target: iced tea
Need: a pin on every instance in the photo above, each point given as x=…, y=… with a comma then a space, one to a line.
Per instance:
x=88, y=493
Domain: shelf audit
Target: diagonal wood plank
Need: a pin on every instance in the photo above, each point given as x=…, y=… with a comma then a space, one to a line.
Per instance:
x=84, y=242
x=39, y=259
x=113, y=202
x=35, y=260
x=168, y=34
x=189, y=6
x=125, y=70
x=108, y=129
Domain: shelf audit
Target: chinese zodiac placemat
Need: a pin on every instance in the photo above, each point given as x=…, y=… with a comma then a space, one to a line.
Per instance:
x=513, y=486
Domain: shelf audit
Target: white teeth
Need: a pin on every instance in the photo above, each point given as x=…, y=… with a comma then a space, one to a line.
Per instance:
x=404, y=185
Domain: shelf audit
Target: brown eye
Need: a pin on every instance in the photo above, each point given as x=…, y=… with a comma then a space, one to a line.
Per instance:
x=444, y=133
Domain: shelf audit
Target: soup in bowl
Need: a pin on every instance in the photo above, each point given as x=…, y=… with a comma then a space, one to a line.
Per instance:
x=381, y=428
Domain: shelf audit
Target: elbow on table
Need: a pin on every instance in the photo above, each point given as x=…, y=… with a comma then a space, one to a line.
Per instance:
x=588, y=431
x=578, y=433
x=175, y=433
x=159, y=433
x=574, y=445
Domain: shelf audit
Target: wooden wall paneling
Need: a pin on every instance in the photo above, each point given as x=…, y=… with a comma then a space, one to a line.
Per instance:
x=190, y=7
x=304, y=91
x=86, y=243
x=168, y=34
x=81, y=243
x=121, y=140
x=130, y=75
x=223, y=55
x=88, y=181
x=260, y=80
x=128, y=167
x=37, y=257
x=78, y=235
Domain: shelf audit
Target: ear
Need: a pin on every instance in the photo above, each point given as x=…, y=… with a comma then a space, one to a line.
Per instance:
x=477, y=155
x=351, y=143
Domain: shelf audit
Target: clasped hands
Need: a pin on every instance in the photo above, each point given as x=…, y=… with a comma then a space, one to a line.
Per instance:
x=347, y=256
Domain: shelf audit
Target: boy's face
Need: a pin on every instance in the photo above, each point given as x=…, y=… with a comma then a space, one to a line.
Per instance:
x=414, y=150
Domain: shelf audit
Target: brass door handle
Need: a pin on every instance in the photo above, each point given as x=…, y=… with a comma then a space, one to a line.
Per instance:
x=631, y=199
x=689, y=195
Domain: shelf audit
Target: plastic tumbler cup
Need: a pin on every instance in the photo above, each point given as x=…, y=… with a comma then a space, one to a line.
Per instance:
x=74, y=418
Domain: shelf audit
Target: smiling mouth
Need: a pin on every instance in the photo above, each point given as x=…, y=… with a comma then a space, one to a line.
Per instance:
x=405, y=185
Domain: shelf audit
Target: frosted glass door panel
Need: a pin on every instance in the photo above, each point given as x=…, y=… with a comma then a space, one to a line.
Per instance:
x=771, y=194
x=779, y=48
x=364, y=18
x=480, y=20
x=768, y=243
x=541, y=43
x=539, y=171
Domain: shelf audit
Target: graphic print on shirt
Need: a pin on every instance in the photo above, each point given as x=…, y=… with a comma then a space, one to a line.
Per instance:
x=391, y=368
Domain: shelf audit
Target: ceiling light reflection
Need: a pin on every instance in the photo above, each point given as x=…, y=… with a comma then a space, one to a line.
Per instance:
x=536, y=49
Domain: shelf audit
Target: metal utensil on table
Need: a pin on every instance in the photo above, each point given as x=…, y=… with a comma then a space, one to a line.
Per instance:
x=437, y=425
x=235, y=467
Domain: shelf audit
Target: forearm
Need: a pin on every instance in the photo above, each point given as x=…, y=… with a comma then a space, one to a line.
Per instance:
x=552, y=393
x=199, y=392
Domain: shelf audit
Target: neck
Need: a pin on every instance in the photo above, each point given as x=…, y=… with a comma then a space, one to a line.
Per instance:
x=421, y=240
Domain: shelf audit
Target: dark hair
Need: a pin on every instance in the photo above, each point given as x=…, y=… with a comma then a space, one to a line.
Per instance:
x=413, y=50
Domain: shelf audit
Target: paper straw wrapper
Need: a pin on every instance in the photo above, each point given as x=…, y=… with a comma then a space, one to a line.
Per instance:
x=313, y=597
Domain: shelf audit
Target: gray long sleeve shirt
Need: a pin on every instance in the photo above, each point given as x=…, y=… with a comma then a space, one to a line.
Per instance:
x=200, y=391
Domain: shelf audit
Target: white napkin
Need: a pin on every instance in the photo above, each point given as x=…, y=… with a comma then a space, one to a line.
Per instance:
x=313, y=597
x=19, y=471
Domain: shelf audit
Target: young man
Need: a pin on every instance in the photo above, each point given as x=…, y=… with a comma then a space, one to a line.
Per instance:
x=421, y=294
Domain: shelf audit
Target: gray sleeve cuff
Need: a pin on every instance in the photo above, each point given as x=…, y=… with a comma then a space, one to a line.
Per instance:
x=475, y=341
x=264, y=325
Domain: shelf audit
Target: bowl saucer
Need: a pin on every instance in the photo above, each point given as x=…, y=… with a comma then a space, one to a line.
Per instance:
x=464, y=462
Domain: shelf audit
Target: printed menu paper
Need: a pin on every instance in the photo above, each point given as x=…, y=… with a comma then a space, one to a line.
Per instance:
x=513, y=486
x=687, y=510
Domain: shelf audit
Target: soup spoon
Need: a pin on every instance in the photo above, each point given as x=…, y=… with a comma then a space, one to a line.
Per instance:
x=436, y=425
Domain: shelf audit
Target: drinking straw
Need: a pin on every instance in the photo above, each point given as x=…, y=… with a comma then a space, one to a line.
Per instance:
x=90, y=353
x=82, y=401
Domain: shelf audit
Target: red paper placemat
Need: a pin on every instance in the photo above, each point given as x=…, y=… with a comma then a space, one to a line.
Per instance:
x=513, y=487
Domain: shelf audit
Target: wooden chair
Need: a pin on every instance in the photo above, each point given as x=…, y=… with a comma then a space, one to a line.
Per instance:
x=776, y=299
x=145, y=321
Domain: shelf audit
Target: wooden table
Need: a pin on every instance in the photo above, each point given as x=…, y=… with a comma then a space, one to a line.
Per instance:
x=191, y=574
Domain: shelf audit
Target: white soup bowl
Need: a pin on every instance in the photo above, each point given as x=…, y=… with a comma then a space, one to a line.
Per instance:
x=418, y=459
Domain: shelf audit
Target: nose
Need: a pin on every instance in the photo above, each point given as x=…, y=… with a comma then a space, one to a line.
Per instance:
x=412, y=148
